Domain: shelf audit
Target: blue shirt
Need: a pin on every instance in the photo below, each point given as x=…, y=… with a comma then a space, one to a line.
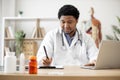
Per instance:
x=69, y=39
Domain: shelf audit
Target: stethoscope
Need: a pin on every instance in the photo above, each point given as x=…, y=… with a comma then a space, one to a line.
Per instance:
x=79, y=39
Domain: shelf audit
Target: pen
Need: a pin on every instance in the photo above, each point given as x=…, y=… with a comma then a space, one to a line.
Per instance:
x=45, y=52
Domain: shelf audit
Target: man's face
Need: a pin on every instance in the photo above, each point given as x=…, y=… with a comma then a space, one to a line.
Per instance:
x=68, y=24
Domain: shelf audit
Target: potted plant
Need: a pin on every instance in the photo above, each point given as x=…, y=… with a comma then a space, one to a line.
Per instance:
x=20, y=13
x=19, y=38
x=116, y=32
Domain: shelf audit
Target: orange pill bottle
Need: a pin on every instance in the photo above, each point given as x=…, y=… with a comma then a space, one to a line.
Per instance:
x=33, y=65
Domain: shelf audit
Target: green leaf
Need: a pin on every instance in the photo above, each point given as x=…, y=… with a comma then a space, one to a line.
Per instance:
x=118, y=19
x=116, y=32
x=116, y=38
x=19, y=37
x=116, y=29
x=109, y=37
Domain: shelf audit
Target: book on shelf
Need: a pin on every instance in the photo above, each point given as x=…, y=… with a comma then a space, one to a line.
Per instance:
x=38, y=32
x=33, y=33
x=9, y=32
x=6, y=49
x=43, y=31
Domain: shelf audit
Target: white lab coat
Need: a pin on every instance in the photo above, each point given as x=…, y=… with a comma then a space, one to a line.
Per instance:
x=75, y=54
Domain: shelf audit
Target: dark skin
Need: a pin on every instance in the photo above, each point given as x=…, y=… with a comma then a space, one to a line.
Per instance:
x=68, y=25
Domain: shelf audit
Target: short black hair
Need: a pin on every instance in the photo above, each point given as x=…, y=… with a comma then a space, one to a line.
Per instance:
x=69, y=10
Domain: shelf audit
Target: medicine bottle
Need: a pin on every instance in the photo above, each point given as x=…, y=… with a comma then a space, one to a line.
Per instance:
x=22, y=63
x=10, y=62
x=33, y=65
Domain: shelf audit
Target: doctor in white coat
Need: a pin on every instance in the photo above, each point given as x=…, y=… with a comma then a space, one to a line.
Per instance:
x=67, y=45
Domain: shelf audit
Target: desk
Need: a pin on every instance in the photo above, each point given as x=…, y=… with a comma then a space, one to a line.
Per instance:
x=68, y=73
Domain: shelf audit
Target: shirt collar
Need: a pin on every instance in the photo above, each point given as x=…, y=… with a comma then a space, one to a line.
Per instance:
x=68, y=38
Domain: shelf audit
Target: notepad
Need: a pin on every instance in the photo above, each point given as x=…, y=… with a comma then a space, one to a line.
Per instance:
x=51, y=67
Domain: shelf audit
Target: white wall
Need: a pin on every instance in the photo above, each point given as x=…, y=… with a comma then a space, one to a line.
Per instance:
x=7, y=9
x=0, y=14
x=0, y=25
x=105, y=10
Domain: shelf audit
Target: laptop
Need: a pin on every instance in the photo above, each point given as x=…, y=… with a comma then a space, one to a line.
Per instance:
x=108, y=57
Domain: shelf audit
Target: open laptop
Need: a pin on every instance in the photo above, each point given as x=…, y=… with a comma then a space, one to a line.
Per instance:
x=108, y=57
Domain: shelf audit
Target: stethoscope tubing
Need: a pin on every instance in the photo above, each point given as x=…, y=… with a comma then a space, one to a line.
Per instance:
x=79, y=39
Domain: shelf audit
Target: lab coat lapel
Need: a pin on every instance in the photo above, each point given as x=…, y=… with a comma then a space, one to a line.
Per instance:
x=65, y=41
x=74, y=41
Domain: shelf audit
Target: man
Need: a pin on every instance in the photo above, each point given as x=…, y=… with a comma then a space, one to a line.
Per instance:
x=66, y=45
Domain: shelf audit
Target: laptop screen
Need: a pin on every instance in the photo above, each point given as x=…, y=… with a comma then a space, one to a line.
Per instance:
x=109, y=55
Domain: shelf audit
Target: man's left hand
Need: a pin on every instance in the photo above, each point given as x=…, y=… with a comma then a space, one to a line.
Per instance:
x=92, y=63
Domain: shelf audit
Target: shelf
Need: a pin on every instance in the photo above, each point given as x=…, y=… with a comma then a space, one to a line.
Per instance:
x=30, y=18
x=18, y=23
x=9, y=39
